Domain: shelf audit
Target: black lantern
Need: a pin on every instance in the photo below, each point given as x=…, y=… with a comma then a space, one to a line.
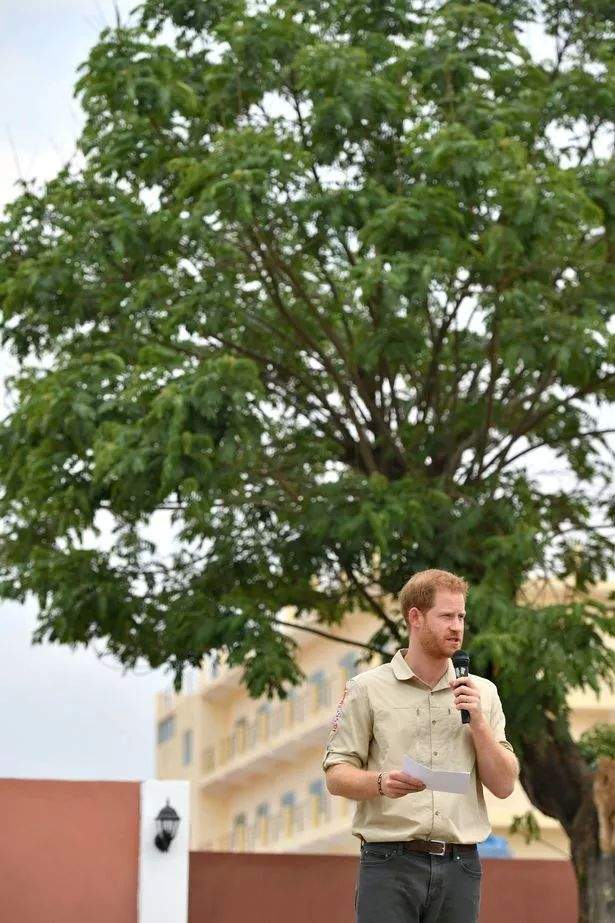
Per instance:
x=167, y=823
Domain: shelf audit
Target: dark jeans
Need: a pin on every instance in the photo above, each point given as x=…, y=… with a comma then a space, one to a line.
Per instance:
x=399, y=886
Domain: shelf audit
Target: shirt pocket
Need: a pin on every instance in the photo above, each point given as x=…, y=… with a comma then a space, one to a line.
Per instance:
x=451, y=739
x=398, y=730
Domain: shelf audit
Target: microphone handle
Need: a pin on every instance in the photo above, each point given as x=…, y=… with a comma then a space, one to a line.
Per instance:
x=465, y=714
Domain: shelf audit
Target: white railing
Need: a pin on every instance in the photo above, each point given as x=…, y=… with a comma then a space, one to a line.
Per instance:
x=266, y=727
x=290, y=822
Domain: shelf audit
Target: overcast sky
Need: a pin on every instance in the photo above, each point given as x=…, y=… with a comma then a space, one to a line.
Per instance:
x=65, y=714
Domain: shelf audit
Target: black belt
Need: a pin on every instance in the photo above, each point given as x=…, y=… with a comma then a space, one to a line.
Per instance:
x=433, y=847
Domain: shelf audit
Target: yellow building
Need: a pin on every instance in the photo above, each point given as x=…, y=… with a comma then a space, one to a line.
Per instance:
x=255, y=766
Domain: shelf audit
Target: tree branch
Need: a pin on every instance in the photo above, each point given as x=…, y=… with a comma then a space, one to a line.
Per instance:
x=377, y=608
x=364, y=443
x=324, y=634
x=539, y=445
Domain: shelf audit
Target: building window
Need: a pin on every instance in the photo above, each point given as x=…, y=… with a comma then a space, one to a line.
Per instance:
x=240, y=736
x=167, y=698
x=187, y=748
x=262, y=723
x=262, y=824
x=348, y=663
x=294, y=707
x=166, y=729
x=318, y=802
x=238, y=840
x=288, y=802
x=320, y=690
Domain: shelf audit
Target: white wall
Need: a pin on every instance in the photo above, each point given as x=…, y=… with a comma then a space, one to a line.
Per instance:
x=163, y=876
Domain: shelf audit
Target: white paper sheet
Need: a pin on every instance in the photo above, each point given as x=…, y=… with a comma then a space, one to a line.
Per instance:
x=437, y=780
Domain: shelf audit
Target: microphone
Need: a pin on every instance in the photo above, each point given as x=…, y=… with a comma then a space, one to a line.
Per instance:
x=461, y=662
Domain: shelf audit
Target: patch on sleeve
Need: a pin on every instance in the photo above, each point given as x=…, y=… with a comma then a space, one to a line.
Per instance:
x=340, y=708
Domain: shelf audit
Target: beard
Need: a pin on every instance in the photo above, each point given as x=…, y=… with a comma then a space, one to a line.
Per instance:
x=432, y=645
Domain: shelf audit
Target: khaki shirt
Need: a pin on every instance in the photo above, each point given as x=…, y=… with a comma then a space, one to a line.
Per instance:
x=387, y=712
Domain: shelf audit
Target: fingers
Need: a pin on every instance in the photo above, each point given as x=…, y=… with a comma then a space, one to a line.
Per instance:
x=463, y=688
x=400, y=783
x=401, y=793
x=407, y=786
x=466, y=694
x=398, y=775
x=466, y=697
x=463, y=681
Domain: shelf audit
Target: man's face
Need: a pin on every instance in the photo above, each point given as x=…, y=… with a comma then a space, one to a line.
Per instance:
x=439, y=631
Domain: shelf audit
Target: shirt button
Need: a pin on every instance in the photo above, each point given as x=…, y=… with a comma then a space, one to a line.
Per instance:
x=433, y=722
x=437, y=812
x=435, y=753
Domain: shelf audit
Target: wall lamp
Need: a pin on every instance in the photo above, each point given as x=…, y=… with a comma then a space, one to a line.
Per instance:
x=167, y=823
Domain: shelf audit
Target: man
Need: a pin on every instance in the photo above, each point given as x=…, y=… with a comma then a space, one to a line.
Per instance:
x=419, y=858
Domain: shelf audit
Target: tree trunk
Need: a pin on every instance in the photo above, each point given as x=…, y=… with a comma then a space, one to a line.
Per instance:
x=559, y=783
x=598, y=900
x=594, y=870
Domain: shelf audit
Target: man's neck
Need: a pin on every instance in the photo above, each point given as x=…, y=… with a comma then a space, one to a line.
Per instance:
x=428, y=669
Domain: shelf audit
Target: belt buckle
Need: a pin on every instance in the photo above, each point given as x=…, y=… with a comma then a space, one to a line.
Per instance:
x=439, y=852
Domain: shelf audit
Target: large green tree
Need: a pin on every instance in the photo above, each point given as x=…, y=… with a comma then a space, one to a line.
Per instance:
x=321, y=280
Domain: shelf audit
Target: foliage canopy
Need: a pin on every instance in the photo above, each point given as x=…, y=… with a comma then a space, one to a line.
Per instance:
x=322, y=278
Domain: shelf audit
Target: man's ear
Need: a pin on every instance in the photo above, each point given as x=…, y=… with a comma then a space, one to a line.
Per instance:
x=412, y=614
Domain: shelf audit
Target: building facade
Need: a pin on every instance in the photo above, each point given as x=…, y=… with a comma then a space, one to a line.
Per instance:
x=255, y=766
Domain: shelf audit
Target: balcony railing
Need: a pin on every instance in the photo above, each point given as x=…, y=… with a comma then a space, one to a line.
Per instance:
x=248, y=735
x=274, y=830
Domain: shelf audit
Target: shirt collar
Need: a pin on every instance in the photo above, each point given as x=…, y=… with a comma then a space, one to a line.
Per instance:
x=402, y=670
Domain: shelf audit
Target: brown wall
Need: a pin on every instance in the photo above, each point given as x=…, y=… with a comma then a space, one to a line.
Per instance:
x=69, y=854
x=68, y=851
x=226, y=888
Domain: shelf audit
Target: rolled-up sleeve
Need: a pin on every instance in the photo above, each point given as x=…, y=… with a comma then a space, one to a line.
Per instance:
x=498, y=721
x=351, y=730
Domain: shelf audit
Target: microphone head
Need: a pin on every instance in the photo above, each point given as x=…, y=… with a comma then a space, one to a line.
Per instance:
x=461, y=659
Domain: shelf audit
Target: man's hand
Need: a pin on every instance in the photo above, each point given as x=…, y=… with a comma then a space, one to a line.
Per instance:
x=360, y=784
x=467, y=695
x=397, y=784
